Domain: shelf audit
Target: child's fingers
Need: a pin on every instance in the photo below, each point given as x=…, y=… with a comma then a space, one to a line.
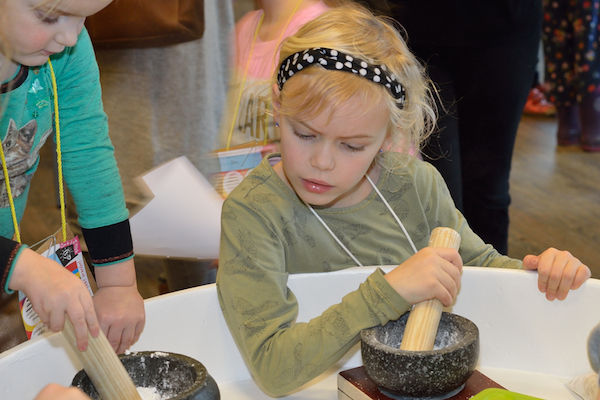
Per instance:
x=568, y=277
x=543, y=272
x=560, y=272
x=530, y=262
x=555, y=276
x=90, y=315
x=583, y=274
x=448, y=279
x=114, y=337
x=126, y=339
x=446, y=290
x=139, y=327
x=56, y=319
x=548, y=277
x=77, y=317
x=574, y=274
x=452, y=256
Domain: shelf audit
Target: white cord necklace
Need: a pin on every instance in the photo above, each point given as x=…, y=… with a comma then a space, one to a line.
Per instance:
x=414, y=248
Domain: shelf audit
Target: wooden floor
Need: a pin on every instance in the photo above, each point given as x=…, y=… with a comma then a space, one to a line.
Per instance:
x=555, y=195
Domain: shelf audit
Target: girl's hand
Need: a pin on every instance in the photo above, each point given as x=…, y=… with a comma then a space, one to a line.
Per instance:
x=54, y=292
x=430, y=273
x=121, y=313
x=119, y=305
x=558, y=272
x=54, y=391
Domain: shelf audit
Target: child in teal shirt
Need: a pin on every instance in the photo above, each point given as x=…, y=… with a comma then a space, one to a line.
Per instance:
x=39, y=41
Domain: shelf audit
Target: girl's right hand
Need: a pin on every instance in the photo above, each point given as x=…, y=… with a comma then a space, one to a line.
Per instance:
x=54, y=292
x=430, y=273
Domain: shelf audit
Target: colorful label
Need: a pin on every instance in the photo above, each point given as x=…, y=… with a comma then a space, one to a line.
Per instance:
x=69, y=255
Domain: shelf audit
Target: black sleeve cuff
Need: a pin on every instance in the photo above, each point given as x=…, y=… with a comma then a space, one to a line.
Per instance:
x=8, y=251
x=109, y=244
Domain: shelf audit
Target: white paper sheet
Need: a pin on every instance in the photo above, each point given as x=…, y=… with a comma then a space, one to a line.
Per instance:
x=184, y=217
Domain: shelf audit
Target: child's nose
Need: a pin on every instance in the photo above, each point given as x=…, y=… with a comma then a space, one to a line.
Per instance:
x=322, y=158
x=71, y=28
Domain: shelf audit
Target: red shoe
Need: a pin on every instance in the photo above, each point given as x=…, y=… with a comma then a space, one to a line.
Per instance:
x=537, y=104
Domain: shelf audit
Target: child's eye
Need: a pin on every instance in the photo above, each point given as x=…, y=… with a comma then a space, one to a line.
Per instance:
x=302, y=136
x=352, y=147
x=46, y=17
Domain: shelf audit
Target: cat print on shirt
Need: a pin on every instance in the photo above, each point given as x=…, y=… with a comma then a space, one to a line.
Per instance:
x=20, y=156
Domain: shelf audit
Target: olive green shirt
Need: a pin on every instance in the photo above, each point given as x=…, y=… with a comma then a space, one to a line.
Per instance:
x=267, y=233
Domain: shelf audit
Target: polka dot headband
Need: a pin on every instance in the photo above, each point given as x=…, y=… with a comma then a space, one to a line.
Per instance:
x=335, y=60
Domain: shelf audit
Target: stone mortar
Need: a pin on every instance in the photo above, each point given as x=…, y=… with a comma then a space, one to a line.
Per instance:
x=175, y=376
x=421, y=373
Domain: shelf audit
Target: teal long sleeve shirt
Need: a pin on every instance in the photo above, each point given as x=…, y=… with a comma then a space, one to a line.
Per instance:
x=89, y=166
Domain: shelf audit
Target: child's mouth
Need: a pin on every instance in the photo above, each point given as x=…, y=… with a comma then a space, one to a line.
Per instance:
x=315, y=186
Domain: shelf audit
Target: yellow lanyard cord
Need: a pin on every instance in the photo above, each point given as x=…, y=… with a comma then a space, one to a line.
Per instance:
x=245, y=75
x=61, y=190
x=63, y=219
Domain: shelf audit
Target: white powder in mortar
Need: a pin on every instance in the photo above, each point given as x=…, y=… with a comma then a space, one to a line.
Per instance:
x=149, y=393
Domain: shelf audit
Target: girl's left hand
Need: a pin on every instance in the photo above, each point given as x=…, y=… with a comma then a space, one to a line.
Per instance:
x=558, y=272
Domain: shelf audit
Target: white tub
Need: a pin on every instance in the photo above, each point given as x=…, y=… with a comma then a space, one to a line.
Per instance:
x=528, y=344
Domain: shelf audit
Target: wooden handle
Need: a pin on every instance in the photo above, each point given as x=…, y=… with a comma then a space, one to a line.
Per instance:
x=103, y=366
x=422, y=325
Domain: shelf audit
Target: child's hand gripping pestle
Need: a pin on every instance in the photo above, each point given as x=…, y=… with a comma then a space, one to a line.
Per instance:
x=422, y=324
x=103, y=366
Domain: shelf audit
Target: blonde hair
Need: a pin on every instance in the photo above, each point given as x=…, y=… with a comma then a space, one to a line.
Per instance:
x=354, y=30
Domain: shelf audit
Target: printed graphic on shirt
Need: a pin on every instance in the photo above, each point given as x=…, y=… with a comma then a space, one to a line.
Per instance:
x=20, y=155
x=254, y=118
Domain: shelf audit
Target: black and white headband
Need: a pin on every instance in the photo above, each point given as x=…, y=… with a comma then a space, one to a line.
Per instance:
x=336, y=60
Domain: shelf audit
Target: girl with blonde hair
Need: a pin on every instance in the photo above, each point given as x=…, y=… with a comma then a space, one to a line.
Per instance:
x=49, y=80
x=346, y=90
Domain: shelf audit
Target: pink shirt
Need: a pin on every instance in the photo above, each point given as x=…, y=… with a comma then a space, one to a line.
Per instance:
x=249, y=119
x=265, y=53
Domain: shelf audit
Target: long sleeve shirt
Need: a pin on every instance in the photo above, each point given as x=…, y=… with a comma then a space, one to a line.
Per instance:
x=89, y=167
x=267, y=233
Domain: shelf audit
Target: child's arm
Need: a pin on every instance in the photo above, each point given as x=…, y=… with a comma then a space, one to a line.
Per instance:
x=119, y=306
x=261, y=311
x=558, y=272
x=91, y=173
x=54, y=292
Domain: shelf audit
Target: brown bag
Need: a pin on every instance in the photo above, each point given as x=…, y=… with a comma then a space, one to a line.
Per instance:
x=146, y=23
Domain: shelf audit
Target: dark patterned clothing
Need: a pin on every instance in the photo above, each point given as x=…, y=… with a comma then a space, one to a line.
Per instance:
x=571, y=39
x=268, y=233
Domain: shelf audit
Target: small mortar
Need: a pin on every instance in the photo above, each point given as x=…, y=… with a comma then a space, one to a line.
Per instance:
x=416, y=374
x=175, y=376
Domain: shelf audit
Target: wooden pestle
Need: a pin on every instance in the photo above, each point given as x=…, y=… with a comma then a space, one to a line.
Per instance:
x=422, y=324
x=103, y=366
